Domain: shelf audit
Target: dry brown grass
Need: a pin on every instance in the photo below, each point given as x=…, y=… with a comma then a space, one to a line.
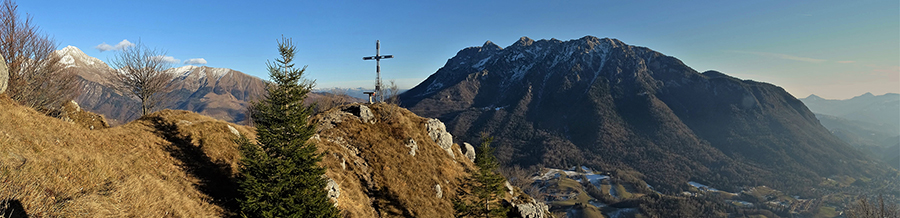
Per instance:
x=146, y=168
x=181, y=164
x=381, y=176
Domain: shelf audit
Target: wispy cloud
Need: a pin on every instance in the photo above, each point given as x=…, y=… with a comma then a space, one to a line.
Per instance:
x=782, y=56
x=121, y=45
x=845, y=62
x=167, y=59
x=195, y=61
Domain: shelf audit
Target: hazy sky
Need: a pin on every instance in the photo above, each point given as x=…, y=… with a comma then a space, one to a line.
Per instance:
x=834, y=49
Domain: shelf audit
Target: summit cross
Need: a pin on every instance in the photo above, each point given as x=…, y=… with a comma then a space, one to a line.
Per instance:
x=378, y=58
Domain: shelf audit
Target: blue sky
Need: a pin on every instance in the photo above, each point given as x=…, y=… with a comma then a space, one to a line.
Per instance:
x=834, y=49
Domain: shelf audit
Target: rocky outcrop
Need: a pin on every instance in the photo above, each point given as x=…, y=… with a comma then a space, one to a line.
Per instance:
x=334, y=191
x=73, y=113
x=469, y=152
x=4, y=75
x=366, y=115
x=357, y=112
x=362, y=112
x=533, y=210
x=438, y=132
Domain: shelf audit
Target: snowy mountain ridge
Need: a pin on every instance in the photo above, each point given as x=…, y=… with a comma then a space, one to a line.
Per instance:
x=70, y=54
x=198, y=72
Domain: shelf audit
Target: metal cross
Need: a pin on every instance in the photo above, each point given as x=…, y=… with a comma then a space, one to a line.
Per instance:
x=378, y=58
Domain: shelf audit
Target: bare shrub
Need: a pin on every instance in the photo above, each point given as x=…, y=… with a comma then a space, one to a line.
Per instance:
x=139, y=73
x=522, y=178
x=393, y=93
x=872, y=209
x=37, y=79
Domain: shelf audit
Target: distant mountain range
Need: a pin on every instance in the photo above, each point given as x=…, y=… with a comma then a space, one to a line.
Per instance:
x=357, y=92
x=881, y=110
x=613, y=106
x=217, y=92
x=869, y=122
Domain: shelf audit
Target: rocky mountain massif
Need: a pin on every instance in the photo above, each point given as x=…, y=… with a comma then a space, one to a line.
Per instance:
x=633, y=111
x=869, y=122
x=217, y=92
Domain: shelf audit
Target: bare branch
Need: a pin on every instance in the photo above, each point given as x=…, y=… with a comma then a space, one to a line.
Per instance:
x=36, y=77
x=139, y=73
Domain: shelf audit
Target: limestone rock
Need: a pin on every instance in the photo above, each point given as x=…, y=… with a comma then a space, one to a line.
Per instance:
x=438, y=132
x=413, y=147
x=4, y=75
x=331, y=120
x=509, y=187
x=533, y=210
x=234, y=131
x=334, y=191
x=437, y=188
x=363, y=112
x=469, y=152
x=366, y=115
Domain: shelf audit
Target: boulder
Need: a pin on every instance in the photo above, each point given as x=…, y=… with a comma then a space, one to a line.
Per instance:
x=437, y=188
x=438, y=132
x=334, y=191
x=469, y=152
x=234, y=131
x=509, y=187
x=4, y=75
x=413, y=147
x=363, y=112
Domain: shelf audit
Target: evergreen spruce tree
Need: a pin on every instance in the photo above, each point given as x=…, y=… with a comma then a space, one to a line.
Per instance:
x=490, y=187
x=280, y=177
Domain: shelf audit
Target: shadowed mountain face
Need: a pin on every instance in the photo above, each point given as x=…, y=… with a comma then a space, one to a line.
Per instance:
x=609, y=105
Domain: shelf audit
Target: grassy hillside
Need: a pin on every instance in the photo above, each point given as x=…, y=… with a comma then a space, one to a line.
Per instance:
x=148, y=168
x=182, y=164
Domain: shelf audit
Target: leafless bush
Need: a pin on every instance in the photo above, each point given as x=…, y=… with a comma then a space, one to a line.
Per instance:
x=36, y=77
x=521, y=177
x=139, y=73
x=873, y=209
x=393, y=93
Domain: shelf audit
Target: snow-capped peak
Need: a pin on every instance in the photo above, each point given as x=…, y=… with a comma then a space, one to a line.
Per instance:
x=70, y=55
